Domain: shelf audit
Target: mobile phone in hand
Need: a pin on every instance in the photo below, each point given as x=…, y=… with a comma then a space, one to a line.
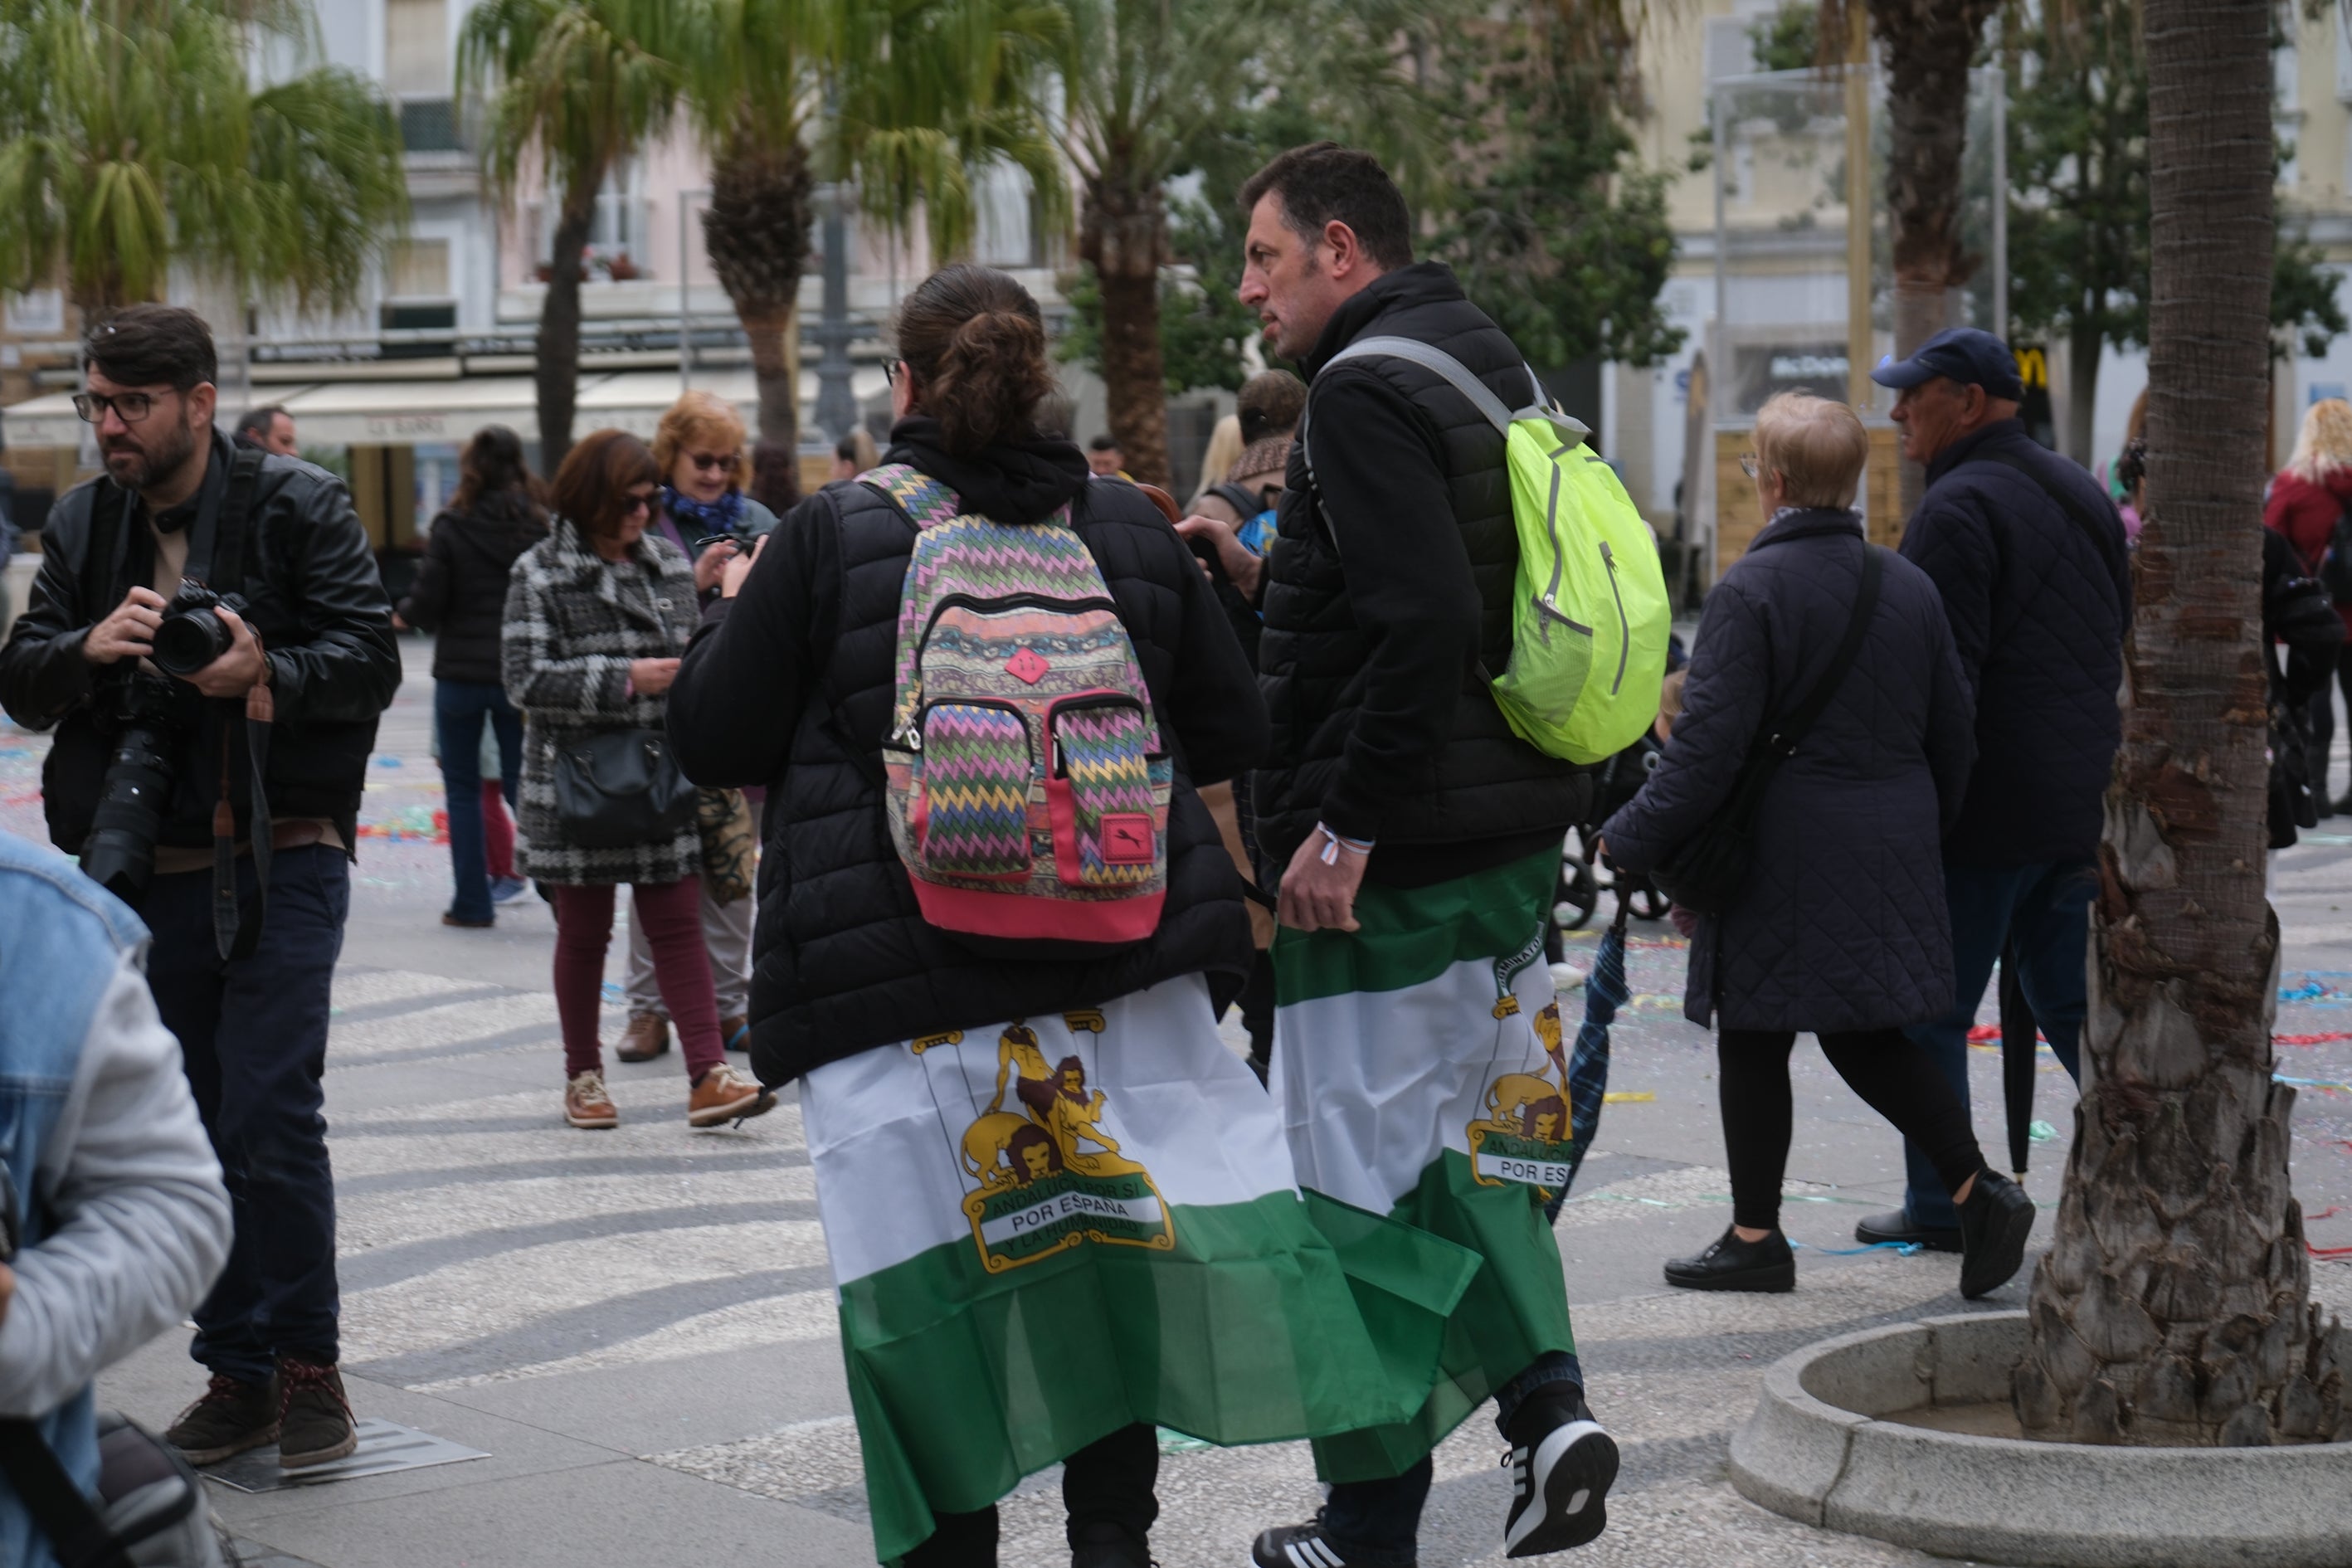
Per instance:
x=708, y=539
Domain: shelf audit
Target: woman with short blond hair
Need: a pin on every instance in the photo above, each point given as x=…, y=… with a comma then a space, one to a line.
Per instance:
x=1840, y=930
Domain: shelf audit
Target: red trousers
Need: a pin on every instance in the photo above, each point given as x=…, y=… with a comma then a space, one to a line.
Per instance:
x=671, y=913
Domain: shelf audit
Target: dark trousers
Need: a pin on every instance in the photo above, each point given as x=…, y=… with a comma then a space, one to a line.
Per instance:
x=2323, y=722
x=459, y=710
x=1378, y=1523
x=1894, y=1077
x=2042, y=913
x=1108, y=1482
x=253, y=1032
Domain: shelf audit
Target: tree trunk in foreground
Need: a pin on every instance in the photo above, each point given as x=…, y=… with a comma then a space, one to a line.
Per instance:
x=1122, y=234
x=557, y=374
x=2173, y=1308
x=1928, y=46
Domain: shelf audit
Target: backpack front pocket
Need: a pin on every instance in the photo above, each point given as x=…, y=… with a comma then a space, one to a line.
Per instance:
x=970, y=817
x=1099, y=790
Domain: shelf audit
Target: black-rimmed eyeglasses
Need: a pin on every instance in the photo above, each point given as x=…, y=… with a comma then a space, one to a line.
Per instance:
x=130, y=407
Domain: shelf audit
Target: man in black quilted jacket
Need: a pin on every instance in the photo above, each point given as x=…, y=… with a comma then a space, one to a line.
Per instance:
x=2031, y=560
x=1415, y=842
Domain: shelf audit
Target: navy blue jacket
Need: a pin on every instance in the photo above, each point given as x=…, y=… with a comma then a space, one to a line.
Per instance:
x=1842, y=926
x=2038, y=607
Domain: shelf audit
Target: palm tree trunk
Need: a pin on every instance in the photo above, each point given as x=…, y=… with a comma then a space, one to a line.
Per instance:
x=2174, y=1307
x=1122, y=232
x=2083, y=344
x=776, y=376
x=557, y=374
x=1929, y=44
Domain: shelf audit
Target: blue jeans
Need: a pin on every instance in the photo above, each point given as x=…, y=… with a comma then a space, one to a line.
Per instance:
x=253, y=1033
x=459, y=707
x=2044, y=910
x=1378, y=1523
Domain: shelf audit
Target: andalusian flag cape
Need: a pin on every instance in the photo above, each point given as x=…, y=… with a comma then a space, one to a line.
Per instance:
x=1048, y=1230
x=1419, y=1070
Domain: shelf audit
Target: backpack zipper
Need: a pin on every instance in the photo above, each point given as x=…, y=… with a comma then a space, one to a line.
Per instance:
x=1551, y=527
x=1624, y=627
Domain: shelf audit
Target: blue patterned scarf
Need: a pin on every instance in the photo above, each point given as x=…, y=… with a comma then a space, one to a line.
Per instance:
x=699, y=520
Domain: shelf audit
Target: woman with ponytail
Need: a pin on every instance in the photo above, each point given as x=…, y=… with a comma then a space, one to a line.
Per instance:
x=1059, y=1210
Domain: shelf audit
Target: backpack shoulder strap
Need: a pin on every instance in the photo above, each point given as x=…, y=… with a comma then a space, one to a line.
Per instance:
x=1239, y=498
x=77, y=1536
x=109, y=503
x=1790, y=730
x=1456, y=375
x=926, y=502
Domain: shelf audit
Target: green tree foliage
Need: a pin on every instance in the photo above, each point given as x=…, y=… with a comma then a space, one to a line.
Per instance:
x=1562, y=237
x=133, y=138
x=2079, y=215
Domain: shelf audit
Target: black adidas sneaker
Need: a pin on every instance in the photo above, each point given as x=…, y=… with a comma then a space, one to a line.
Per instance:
x=1562, y=1464
x=1296, y=1546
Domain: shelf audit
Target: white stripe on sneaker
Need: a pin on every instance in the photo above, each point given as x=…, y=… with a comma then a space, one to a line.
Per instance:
x=1324, y=1555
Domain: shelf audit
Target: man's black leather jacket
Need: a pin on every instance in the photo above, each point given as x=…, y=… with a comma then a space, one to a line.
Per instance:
x=317, y=602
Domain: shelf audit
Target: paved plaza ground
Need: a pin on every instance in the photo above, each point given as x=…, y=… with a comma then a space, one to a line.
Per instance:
x=638, y=1328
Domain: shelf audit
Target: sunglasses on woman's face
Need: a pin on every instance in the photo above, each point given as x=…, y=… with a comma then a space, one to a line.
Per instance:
x=724, y=462
x=634, y=504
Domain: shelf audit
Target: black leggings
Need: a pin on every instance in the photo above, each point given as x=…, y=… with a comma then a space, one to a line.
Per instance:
x=1894, y=1077
x=1108, y=1481
x=2323, y=721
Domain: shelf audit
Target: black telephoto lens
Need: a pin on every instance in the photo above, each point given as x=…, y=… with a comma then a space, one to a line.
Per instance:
x=189, y=639
x=120, y=854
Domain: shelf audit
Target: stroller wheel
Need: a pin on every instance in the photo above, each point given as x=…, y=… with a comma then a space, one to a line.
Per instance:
x=1578, y=896
x=1648, y=903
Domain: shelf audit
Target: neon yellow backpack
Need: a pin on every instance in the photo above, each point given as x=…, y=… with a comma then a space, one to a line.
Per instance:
x=1589, y=613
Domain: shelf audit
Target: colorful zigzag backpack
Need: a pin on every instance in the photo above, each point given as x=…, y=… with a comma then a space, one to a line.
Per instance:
x=1027, y=791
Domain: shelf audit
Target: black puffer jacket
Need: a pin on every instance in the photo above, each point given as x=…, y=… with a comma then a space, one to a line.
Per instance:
x=2038, y=605
x=1387, y=598
x=461, y=594
x=1843, y=924
x=790, y=685
x=315, y=600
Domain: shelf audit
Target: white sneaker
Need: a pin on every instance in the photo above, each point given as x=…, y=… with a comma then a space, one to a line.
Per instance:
x=1566, y=977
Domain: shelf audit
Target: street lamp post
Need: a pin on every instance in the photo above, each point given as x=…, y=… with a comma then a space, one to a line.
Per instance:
x=836, y=404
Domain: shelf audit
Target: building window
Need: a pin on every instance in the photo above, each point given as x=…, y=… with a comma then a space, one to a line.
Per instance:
x=416, y=47
x=420, y=270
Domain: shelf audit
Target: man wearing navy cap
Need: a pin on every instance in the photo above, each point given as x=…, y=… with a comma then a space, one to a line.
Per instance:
x=2031, y=560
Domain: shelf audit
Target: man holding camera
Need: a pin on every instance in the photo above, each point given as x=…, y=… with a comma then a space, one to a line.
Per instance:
x=211, y=638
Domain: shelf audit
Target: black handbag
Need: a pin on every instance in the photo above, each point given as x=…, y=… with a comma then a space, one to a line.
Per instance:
x=620, y=790
x=1708, y=871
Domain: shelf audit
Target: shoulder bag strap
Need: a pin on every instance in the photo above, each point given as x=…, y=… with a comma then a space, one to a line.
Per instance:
x=77, y=1534
x=1785, y=736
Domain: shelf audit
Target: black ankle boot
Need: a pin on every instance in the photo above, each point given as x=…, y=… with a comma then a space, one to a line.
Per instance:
x=1731, y=1264
x=1994, y=1223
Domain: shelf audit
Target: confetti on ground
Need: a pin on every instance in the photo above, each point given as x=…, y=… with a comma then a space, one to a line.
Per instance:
x=1628, y=1097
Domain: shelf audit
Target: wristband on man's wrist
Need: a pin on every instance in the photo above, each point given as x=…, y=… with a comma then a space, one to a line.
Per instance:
x=1335, y=842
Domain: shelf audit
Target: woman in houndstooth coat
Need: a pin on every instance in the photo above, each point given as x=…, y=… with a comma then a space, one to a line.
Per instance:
x=596, y=616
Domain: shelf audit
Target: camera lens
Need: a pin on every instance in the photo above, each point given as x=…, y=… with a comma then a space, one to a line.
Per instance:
x=121, y=853
x=187, y=640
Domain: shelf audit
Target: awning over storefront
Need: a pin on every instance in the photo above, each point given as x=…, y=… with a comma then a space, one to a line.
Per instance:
x=448, y=412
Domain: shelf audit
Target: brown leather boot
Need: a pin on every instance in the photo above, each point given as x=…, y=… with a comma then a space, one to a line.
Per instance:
x=646, y=1037
x=726, y=1095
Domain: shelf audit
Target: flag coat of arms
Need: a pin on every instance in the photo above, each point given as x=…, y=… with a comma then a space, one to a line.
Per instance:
x=1421, y=1075
x=1048, y=1229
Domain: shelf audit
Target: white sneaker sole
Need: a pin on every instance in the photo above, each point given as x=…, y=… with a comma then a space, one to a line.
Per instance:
x=1569, y=1479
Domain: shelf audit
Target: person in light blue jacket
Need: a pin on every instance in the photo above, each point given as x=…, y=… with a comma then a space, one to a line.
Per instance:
x=121, y=1220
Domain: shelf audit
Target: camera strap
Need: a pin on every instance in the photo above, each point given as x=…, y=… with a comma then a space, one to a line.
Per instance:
x=237, y=934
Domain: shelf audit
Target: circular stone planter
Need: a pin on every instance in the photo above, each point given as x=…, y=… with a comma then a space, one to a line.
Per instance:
x=1817, y=1451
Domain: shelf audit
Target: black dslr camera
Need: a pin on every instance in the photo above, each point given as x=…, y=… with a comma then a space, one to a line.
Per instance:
x=192, y=634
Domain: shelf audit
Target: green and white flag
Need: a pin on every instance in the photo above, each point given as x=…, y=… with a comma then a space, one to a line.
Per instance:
x=1419, y=1074
x=1046, y=1230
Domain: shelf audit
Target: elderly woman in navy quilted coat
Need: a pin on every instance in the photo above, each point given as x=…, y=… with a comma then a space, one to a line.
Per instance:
x=1842, y=930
